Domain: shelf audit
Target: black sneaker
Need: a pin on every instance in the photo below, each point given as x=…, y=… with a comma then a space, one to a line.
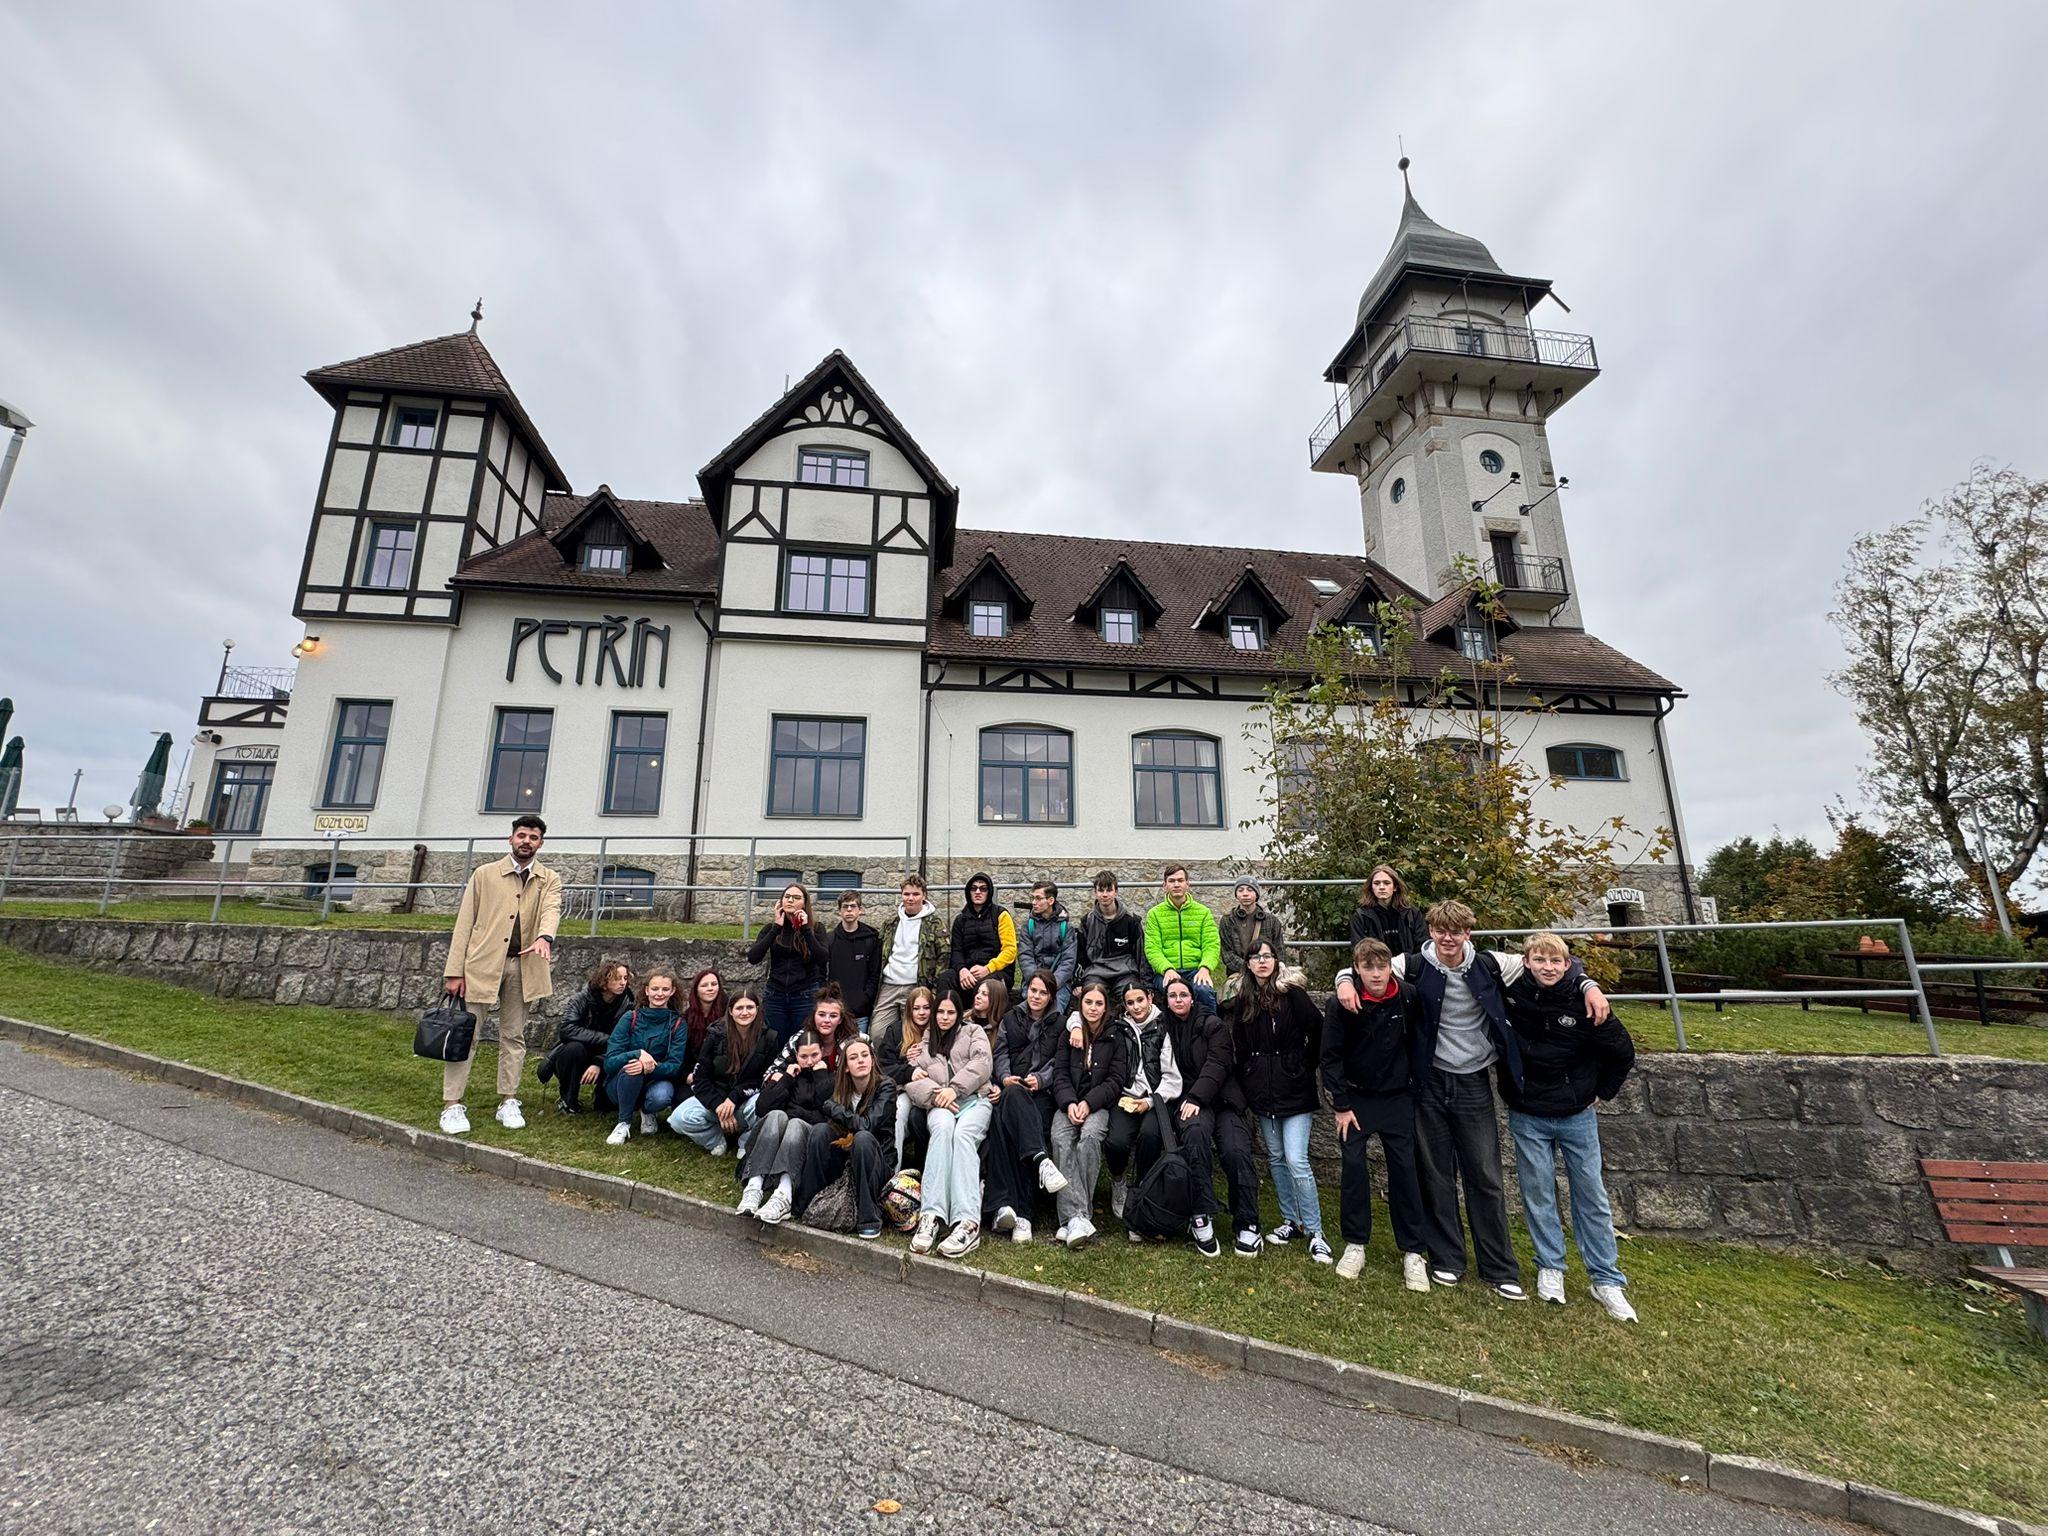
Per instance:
x=567, y=1108
x=1445, y=1276
x=1319, y=1249
x=1203, y=1231
x=1510, y=1290
x=1284, y=1234
x=1249, y=1243
x=869, y=1231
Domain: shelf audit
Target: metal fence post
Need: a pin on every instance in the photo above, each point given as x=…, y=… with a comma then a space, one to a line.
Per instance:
x=327, y=889
x=1919, y=988
x=1670, y=990
x=747, y=907
x=113, y=864
x=597, y=895
x=13, y=853
x=220, y=880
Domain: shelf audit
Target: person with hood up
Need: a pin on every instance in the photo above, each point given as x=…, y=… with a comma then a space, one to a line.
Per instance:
x=1112, y=940
x=1245, y=924
x=1049, y=944
x=984, y=941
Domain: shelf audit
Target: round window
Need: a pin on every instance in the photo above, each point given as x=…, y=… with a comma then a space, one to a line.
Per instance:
x=1398, y=489
x=1492, y=462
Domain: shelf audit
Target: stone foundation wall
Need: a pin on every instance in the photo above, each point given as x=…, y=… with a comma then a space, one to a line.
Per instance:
x=44, y=862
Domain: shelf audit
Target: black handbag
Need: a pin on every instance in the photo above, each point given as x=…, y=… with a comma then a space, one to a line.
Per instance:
x=447, y=1031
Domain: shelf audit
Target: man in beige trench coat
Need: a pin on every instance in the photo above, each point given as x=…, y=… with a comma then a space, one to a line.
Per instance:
x=510, y=913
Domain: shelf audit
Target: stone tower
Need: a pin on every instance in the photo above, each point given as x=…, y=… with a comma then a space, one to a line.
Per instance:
x=1443, y=389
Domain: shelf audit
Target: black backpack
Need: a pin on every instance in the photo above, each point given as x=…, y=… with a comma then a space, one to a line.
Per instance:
x=1164, y=1202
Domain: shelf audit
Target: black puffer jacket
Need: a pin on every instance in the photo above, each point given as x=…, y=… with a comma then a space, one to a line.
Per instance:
x=890, y=1057
x=1278, y=1049
x=1202, y=1047
x=1568, y=1061
x=1027, y=1047
x=800, y=1095
x=590, y=1017
x=716, y=1081
x=1401, y=929
x=1094, y=1073
x=877, y=1117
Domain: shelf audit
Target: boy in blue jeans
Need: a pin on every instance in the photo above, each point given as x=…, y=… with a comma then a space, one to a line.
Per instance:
x=1568, y=1061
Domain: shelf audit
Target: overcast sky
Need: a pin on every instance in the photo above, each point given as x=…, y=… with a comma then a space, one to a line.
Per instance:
x=1094, y=257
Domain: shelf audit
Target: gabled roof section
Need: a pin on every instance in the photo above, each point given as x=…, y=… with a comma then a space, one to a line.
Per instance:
x=990, y=563
x=1151, y=605
x=567, y=538
x=1247, y=579
x=837, y=387
x=458, y=365
x=680, y=532
x=1357, y=600
x=1442, y=616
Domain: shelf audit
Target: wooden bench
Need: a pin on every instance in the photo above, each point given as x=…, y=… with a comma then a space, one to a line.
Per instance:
x=2000, y=1206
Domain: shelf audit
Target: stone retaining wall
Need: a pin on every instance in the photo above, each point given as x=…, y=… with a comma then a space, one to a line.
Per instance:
x=1785, y=1151
x=40, y=862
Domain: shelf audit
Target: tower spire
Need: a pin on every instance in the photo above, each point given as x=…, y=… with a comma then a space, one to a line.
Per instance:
x=476, y=317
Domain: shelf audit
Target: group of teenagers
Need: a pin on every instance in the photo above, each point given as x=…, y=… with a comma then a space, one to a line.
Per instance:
x=877, y=1077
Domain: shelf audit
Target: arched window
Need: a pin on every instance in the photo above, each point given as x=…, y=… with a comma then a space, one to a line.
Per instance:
x=344, y=881
x=1027, y=774
x=1584, y=760
x=1177, y=779
x=627, y=889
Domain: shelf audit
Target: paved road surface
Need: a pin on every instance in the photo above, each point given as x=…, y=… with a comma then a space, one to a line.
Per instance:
x=213, y=1319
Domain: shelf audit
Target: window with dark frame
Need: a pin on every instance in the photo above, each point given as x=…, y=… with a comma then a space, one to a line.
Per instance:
x=1027, y=775
x=388, y=560
x=1247, y=632
x=1120, y=626
x=519, y=760
x=632, y=784
x=1471, y=340
x=1582, y=760
x=622, y=888
x=412, y=426
x=356, y=761
x=832, y=881
x=240, y=792
x=1178, y=779
x=816, y=767
x=990, y=621
x=772, y=882
x=317, y=882
x=605, y=558
x=822, y=583
x=831, y=466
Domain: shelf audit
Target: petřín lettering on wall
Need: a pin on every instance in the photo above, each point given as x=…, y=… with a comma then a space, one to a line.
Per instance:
x=628, y=662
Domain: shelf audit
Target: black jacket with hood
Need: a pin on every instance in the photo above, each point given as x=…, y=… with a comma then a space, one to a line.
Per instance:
x=1111, y=950
x=1568, y=1061
x=977, y=933
x=1278, y=1047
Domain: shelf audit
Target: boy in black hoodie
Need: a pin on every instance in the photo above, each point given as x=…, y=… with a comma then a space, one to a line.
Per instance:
x=1370, y=1068
x=1568, y=1061
x=853, y=958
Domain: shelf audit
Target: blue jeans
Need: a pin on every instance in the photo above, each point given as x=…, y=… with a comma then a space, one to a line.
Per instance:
x=696, y=1121
x=636, y=1090
x=1294, y=1182
x=787, y=1009
x=951, y=1180
x=1539, y=1141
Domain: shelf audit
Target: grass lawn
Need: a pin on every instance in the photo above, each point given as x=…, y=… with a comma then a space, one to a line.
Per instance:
x=199, y=909
x=1785, y=1029
x=1936, y=1389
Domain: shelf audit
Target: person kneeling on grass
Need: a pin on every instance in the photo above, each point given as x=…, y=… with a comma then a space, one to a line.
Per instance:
x=720, y=1110
x=1568, y=1061
x=585, y=1034
x=644, y=1065
x=1369, y=1067
x=1089, y=1072
x=951, y=1068
x=792, y=1110
x=860, y=1122
x=1277, y=1043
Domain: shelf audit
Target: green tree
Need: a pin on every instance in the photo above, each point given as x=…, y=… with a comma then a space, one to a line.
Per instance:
x=1739, y=875
x=1865, y=874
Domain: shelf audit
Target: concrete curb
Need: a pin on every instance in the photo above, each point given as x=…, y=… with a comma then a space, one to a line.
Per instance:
x=1741, y=1477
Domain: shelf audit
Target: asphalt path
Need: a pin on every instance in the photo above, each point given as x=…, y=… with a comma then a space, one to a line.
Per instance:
x=213, y=1318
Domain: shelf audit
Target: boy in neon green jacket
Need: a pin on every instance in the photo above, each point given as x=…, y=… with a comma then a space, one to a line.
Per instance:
x=1181, y=939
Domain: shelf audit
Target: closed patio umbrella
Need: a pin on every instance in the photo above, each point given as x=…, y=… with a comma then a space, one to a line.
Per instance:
x=149, y=789
x=10, y=778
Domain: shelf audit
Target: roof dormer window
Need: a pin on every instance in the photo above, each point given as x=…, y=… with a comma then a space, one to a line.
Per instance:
x=1120, y=626
x=1475, y=638
x=831, y=466
x=988, y=621
x=605, y=559
x=1247, y=632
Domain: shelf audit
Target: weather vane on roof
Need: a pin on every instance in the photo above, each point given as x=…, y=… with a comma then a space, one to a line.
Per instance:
x=476, y=317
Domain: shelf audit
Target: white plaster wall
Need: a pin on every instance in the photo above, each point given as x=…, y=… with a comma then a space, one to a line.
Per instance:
x=462, y=432
x=751, y=572
x=345, y=478
x=399, y=482
x=359, y=423
x=330, y=551
x=440, y=549
x=453, y=485
x=888, y=469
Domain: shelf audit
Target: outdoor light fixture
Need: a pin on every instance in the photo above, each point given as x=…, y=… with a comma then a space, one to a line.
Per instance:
x=1513, y=479
x=310, y=646
x=1562, y=482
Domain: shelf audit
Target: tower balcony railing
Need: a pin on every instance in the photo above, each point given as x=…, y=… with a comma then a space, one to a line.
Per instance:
x=1514, y=574
x=256, y=683
x=1519, y=353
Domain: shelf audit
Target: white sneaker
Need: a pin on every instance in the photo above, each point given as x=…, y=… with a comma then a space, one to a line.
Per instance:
x=1119, y=1191
x=1006, y=1219
x=619, y=1134
x=1550, y=1286
x=1077, y=1231
x=1352, y=1264
x=776, y=1211
x=1021, y=1232
x=1136, y=1237
x=719, y=1150
x=750, y=1199
x=961, y=1241
x=454, y=1120
x=1050, y=1179
x=1060, y=1233
x=1414, y=1272
x=510, y=1117
x=927, y=1232
x=647, y=1123
x=1615, y=1300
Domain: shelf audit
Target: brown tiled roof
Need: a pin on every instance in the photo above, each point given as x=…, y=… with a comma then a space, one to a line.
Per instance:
x=1059, y=570
x=459, y=364
x=680, y=532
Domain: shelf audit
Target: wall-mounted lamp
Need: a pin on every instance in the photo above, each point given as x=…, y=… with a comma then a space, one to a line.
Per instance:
x=310, y=646
x=1513, y=479
x=1562, y=482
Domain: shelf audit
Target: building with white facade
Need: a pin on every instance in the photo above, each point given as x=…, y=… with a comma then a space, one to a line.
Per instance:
x=813, y=663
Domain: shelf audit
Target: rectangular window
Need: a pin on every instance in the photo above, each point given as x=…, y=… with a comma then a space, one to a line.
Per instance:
x=1471, y=340
x=1364, y=639
x=1247, y=633
x=1585, y=762
x=388, y=562
x=826, y=584
x=816, y=767
x=1120, y=626
x=361, y=727
x=519, y=760
x=1475, y=641
x=632, y=785
x=991, y=621
x=1179, y=780
x=1027, y=775
x=412, y=426
x=623, y=888
x=831, y=466
x=240, y=791
x=604, y=557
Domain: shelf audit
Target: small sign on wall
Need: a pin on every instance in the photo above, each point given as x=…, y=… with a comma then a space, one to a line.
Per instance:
x=1623, y=896
x=252, y=754
x=1710, y=909
x=330, y=821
